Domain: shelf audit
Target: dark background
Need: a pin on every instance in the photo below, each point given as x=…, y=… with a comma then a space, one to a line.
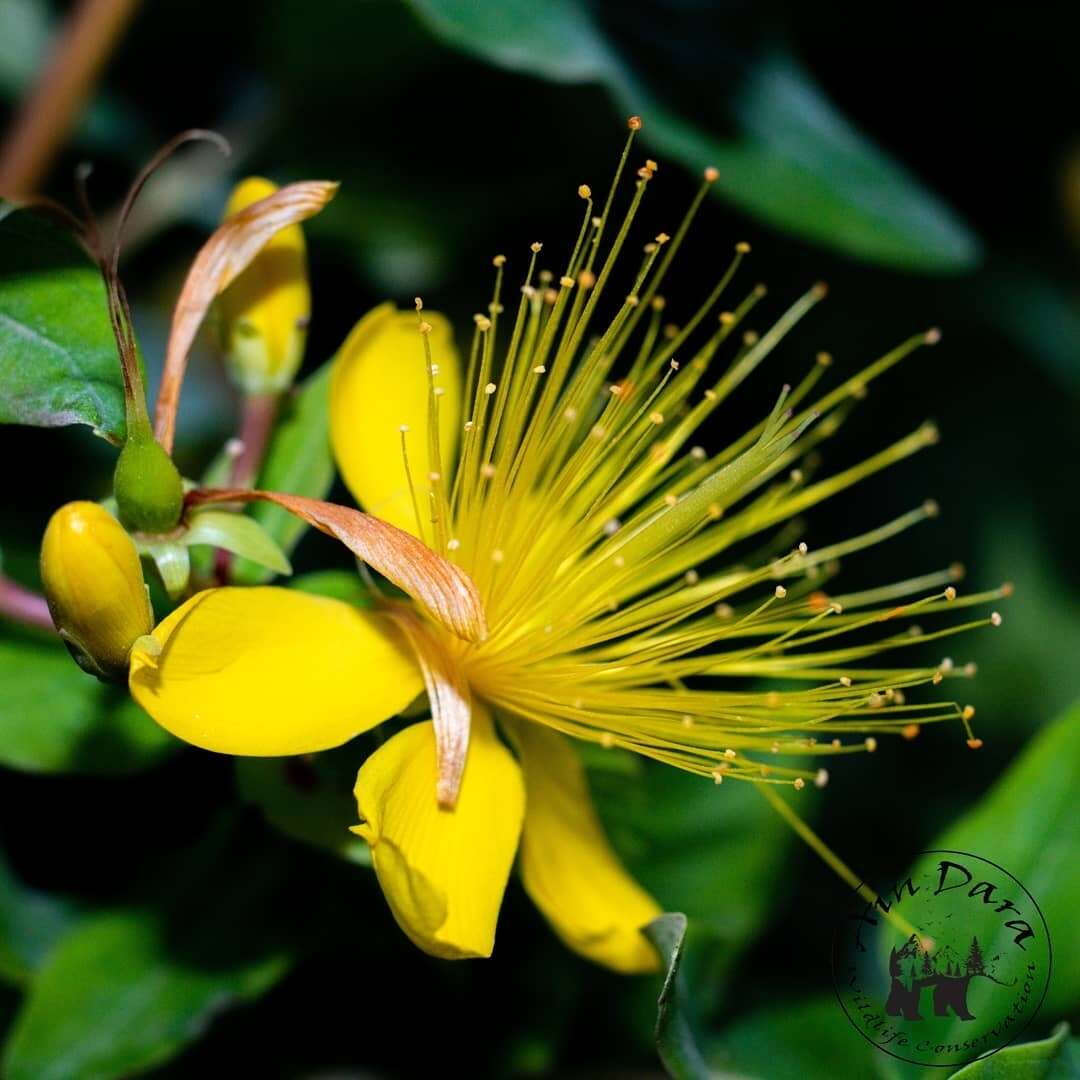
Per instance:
x=446, y=161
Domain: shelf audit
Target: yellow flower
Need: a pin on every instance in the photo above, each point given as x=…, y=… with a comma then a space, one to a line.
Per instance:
x=637, y=590
x=265, y=312
x=94, y=586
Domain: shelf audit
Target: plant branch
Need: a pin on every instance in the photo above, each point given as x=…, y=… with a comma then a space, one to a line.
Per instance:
x=47, y=114
x=24, y=606
x=256, y=426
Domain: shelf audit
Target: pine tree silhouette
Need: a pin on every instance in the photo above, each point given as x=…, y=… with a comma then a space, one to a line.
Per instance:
x=975, y=963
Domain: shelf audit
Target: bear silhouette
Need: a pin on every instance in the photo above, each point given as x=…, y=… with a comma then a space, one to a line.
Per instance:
x=951, y=991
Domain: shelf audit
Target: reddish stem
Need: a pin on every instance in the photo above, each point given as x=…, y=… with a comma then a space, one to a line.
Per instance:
x=24, y=606
x=67, y=79
x=256, y=426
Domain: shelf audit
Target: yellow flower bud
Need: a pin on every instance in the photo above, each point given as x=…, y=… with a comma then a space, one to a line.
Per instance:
x=94, y=585
x=266, y=310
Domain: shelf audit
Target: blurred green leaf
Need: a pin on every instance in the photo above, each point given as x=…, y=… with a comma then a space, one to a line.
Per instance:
x=308, y=798
x=24, y=36
x=794, y=1040
x=675, y=1040
x=1039, y=315
x=298, y=462
x=30, y=924
x=711, y=852
x=796, y=163
x=1028, y=824
x=338, y=585
x=1033, y=661
x=558, y=40
x=1054, y=1058
x=54, y=718
x=58, y=360
x=803, y=167
x=127, y=989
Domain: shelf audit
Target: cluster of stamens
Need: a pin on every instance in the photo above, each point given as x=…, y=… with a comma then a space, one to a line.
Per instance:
x=602, y=540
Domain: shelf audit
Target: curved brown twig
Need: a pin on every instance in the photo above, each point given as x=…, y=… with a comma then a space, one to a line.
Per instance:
x=445, y=591
x=450, y=701
x=221, y=259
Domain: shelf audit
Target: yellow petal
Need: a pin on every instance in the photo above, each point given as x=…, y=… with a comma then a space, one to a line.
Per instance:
x=380, y=383
x=266, y=310
x=268, y=672
x=443, y=871
x=568, y=866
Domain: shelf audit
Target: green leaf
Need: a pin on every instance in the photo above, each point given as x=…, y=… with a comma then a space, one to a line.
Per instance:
x=58, y=359
x=298, y=461
x=338, y=585
x=1028, y=824
x=714, y=853
x=794, y=1040
x=1041, y=317
x=172, y=561
x=54, y=718
x=1035, y=660
x=795, y=162
x=1054, y=1058
x=308, y=798
x=239, y=534
x=675, y=1040
x=31, y=922
x=126, y=989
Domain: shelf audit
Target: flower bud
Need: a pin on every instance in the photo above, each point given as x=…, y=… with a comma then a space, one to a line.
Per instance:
x=94, y=586
x=148, y=488
x=266, y=310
